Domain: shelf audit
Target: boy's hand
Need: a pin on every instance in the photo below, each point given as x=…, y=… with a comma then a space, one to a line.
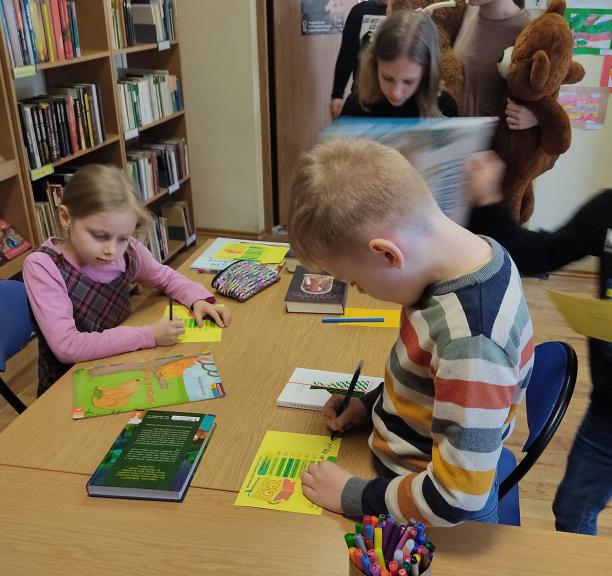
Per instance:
x=519, y=117
x=335, y=107
x=485, y=174
x=167, y=331
x=202, y=308
x=354, y=416
x=323, y=483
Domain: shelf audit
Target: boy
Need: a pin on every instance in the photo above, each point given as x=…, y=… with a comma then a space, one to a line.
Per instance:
x=464, y=355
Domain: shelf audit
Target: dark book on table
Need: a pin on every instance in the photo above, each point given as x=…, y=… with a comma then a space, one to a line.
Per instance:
x=316, y=293
x=154, y=457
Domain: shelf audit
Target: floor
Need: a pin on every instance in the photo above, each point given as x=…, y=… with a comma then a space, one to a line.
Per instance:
x=537, y=489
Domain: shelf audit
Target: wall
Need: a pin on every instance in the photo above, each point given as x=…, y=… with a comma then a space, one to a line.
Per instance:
x=221, y=85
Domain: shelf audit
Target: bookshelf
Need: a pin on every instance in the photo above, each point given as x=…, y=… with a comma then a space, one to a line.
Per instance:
x=104, y=52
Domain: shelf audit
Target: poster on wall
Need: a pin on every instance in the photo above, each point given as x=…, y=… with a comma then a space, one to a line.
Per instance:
x=586, y=107
x=324, y=16
x=606, y=73
x=591, y=24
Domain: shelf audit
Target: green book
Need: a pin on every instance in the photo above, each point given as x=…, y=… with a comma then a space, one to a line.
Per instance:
x=154, y=457
x=133, y=386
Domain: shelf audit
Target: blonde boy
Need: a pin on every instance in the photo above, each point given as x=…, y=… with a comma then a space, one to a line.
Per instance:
x=464, y=354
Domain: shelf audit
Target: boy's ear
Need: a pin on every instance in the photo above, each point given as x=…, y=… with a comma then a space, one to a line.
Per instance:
x=391, y=251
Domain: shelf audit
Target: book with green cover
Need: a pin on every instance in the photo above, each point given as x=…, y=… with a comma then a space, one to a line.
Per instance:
x=133, y=386
x=154, y=457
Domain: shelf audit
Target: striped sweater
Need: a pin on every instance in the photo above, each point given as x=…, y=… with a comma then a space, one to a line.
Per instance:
x=453, y=381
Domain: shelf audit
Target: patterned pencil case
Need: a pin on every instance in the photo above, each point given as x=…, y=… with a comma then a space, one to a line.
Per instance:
x=243, y=279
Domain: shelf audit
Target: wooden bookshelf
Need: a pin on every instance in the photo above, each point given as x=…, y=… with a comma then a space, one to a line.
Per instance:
x=98, y=65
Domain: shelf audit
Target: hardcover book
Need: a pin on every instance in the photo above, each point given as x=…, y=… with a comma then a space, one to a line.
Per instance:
x=315, y=293
x=132, y=386
x=154, y=457
x=11, y=243
x=310, y=389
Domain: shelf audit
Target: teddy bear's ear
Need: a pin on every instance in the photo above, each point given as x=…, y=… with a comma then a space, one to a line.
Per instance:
x=574, y=74
x=556, y=7
x=540, y=70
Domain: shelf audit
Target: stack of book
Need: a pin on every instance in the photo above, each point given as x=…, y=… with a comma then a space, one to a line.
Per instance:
x=180, y=224
x=159, y=166
x=47, y=198
x=145, y=21
x=39, y=31
x=61, y=123
x=147, y=95
x=156, y=239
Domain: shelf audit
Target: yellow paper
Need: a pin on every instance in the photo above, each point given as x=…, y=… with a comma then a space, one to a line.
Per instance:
x=586, y=315
x=262, y=253
x=274, y=478
x=209, y=332
x=392, y=317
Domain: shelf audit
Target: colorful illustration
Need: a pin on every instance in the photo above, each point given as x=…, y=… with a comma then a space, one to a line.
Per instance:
x=208, y=332
x=262, y=253
x=591, y=28
x=606, y=73
x=317, y=283
x=133, y=386
x=585, y=107
x=274, y=478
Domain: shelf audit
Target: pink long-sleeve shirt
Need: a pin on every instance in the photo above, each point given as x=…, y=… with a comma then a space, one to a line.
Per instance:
x=52, y=306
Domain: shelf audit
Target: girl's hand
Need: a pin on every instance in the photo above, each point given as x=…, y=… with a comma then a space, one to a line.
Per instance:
x=335, y=107
x=518, y=117
x=354, y=416
x=167, y=331
x=202, y=308
x=485, y=174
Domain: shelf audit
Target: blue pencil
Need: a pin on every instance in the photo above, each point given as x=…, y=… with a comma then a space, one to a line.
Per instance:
x=340, y=320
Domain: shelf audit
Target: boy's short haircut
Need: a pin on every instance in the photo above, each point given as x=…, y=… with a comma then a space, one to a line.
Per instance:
x=343, y=188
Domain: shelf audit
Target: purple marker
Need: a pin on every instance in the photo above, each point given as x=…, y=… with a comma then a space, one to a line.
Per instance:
x=375, y=570
x=394, y=537
x=387, y=530
x=405, y=535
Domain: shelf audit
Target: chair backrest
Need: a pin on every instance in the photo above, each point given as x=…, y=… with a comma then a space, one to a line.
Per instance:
x=548, y=395
x=15, y=321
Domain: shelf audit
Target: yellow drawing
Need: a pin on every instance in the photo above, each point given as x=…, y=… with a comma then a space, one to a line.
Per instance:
x=116, y=396
x=392, y=317
x=586, y=315
x=262, y=253
x=274, y=477
x=208, y=332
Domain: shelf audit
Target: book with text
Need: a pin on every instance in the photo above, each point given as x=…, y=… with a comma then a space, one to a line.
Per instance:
x=315, y=293
x=310, y=389
x=154, y=457
x=132, y=386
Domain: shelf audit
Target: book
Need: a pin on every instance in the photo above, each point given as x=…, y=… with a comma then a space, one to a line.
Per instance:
x=291, y=261
x=139, y=385
x=154, y=457
x=310, y=389
x=11, y=243
x=315, y=293
x=436, y=147
x=223, y=251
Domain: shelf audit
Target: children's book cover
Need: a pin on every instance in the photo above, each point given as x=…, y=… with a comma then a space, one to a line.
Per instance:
x=132, y=386
x=310, y=389
x=315, y=293
x=274, y=478
x=11, y=243
x=154, y=457
x=208, y=332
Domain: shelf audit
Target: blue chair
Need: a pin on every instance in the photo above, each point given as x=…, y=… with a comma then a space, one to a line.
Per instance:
x=548, y=395
x=16, y=331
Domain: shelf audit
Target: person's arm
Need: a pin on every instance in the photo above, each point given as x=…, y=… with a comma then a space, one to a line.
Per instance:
x=53, y=311
x=352, y=107
x=349, y=52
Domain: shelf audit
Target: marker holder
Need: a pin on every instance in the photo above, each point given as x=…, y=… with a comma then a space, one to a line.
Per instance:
x=354, y=571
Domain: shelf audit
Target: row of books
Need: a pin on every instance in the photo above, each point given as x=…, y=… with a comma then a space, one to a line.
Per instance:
x=156, y=238
x=59, y=124
x=39, y=31
x=146, y=96
x=157, y=166
x=144, y=21
x=48, y=194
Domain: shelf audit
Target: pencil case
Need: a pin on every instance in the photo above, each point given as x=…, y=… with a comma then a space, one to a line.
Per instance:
x=243, y=279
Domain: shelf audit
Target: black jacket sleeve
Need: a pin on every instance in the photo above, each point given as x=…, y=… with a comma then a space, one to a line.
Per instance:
x=348, y=55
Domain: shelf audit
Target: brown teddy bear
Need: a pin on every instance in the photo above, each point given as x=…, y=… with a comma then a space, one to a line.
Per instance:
x=540, y=61
x=448, y=21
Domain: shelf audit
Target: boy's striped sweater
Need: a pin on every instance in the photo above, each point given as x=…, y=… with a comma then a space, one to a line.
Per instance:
x=453, y=381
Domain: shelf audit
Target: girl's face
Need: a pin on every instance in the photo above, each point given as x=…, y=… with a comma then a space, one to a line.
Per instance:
x=399, y=79
x=100, y=238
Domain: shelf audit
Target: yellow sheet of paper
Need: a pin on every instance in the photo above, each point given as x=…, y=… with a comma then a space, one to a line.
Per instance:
x=274, y=478
x=262, y=253
x=392, y=317
x=586, y=315
x=209, y=332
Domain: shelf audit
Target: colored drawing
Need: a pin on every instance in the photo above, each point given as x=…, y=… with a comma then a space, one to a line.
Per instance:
x=585, y=107
x=208, y=332
x=606, y=73
x=392, y=317
x=274, y=477
x=262, y=253
x=591, y=29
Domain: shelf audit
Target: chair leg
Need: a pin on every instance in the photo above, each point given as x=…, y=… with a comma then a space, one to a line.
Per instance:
x=10, y=397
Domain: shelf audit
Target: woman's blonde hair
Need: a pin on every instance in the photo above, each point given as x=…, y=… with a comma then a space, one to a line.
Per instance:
x=102, y=188
x=404, y=34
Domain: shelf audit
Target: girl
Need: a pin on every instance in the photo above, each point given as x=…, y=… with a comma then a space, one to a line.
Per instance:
x=399, y=72
x=78, y=286
x=488, y=28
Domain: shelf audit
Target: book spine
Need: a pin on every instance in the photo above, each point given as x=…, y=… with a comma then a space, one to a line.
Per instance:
x=28, y=136
x=65, y=24
x=47, y=22
x=74, y=28
x=72, y=130
x=28, y=32
x=57, y=30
